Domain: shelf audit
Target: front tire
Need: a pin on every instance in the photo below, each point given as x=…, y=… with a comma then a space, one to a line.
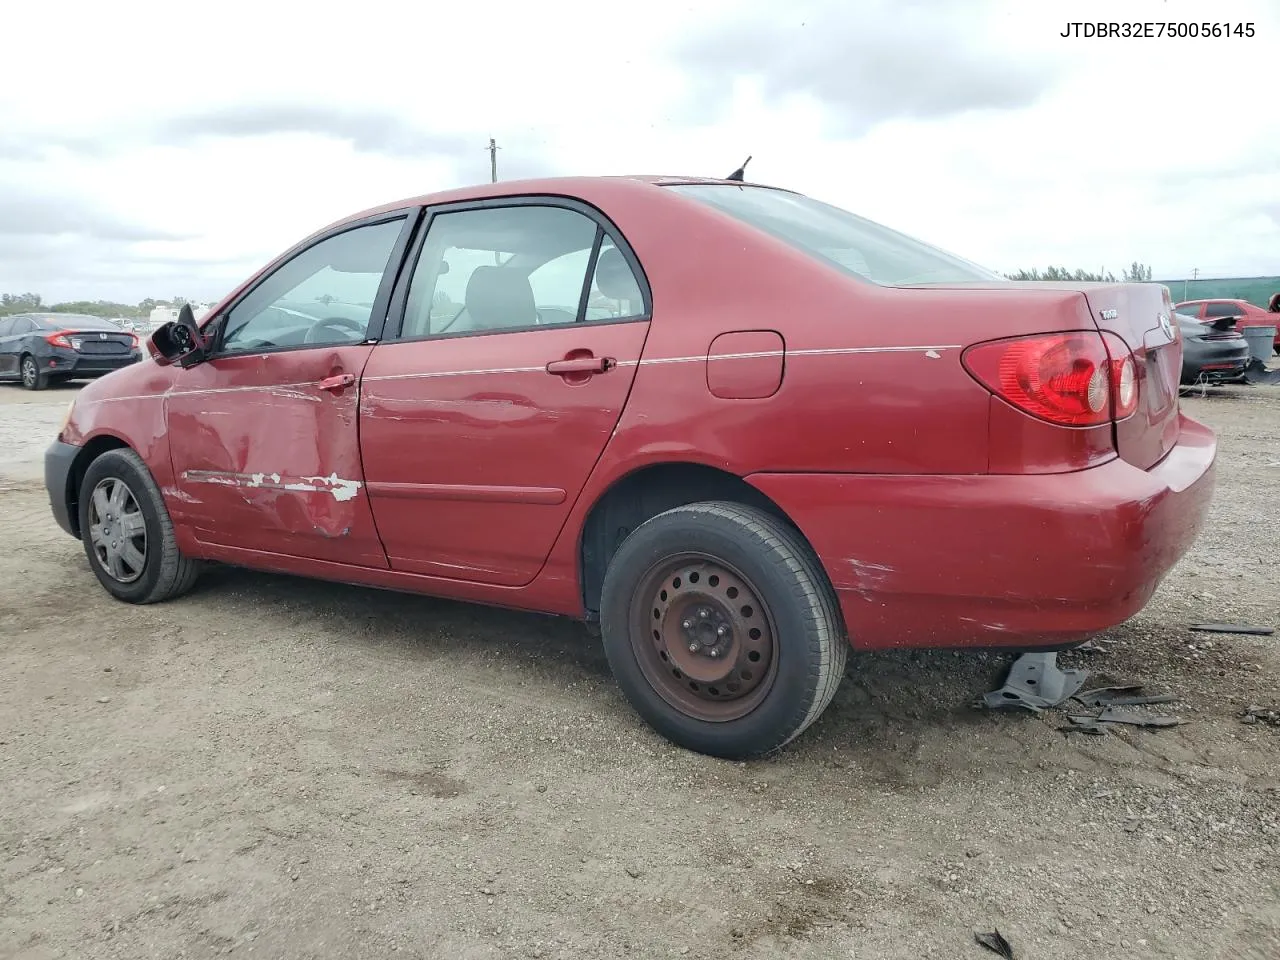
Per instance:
x=127, y=534
x=722, y=629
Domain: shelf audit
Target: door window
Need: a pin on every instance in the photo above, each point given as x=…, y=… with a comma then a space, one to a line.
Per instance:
x=515, y=268
x=321, y=297
x=6, y=326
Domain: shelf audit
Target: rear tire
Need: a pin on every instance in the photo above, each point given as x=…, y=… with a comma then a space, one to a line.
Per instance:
x=722, y=629
x=127, y=533
x=32, y=377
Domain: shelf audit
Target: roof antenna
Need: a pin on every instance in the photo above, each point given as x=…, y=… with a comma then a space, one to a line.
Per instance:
x=741, y=172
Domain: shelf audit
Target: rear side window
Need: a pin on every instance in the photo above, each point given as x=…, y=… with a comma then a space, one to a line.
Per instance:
x=1223, y=310
x=519, y=267
x=857, y=246
x=23, y=325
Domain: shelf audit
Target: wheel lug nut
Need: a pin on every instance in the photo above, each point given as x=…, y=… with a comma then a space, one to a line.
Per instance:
x=715, y=653
x=693, y=648
x=722, y=632
x=703, y=613
x=687, y=624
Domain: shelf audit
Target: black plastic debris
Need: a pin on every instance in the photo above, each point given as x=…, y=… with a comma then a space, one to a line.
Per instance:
x=1121, y=697
x=996, y=943
x=1089, y=725
x=1136, y=718
x=1256, y=713
x=1239, y=628
x=1232, y=628
x=1035, y=682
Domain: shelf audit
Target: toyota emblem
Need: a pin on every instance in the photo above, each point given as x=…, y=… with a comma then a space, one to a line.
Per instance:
x=1165, y=326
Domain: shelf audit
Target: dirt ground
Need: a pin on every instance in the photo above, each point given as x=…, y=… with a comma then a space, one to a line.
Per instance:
x=285, y=769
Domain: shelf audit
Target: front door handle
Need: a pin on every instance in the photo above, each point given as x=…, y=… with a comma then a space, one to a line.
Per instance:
x=337, y=381
x=581, y=365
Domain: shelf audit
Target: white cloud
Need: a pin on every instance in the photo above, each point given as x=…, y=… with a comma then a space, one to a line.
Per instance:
x=243, y=126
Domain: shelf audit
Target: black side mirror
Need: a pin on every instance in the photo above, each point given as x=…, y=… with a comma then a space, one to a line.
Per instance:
x=178, y=341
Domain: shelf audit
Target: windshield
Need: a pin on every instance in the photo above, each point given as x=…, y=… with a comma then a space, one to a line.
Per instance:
x=855, y=245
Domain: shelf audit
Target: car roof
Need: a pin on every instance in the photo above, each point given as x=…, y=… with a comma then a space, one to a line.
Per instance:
x=585, y=187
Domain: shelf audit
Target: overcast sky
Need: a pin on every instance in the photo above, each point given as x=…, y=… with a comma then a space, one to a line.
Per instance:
x=159, y=149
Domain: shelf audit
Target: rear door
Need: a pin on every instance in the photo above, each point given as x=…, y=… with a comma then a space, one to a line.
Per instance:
x=522, y=324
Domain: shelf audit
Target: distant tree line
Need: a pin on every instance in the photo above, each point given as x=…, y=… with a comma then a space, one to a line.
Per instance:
x=11, y=303
x=1135, y=273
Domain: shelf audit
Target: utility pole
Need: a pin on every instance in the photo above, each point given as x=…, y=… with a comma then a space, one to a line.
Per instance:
x=493, y=159
x=1195, y=273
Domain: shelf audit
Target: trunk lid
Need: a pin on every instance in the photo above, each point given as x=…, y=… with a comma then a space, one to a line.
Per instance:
x=1141, y=314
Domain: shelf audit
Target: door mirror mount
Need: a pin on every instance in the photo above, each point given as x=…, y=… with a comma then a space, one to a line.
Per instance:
x=179, y=341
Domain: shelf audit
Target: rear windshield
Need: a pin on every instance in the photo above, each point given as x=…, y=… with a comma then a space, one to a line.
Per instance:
x=857, y=246
x=75, y=321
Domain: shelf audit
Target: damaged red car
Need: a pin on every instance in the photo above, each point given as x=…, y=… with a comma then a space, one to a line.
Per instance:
x=741, y=430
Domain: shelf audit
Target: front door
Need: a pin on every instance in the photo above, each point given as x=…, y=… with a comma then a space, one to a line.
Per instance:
x=264, y=435
x=521, y=329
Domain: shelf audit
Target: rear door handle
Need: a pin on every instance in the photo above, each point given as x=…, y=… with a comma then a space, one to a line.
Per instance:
x=337, y=381
x=582, y=365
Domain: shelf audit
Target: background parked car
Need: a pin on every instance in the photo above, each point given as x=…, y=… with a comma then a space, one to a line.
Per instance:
x=1247, y=314
x=43, y=348
x=1212, y=351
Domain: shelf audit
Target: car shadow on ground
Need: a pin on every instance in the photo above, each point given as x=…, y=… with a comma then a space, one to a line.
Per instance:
x=898, y=696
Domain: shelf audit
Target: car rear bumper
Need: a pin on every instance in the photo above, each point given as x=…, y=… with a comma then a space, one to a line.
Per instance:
x=1216, y=362
x=1000, y=561
x=58, y=461
x=71, y=363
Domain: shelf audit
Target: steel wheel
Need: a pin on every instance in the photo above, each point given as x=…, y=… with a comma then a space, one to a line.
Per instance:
x=117, y=530
x=703, y=638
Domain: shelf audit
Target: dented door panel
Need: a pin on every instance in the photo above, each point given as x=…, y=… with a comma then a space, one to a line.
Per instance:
x=267, y=458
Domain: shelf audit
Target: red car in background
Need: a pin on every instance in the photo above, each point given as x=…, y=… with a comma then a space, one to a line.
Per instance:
x=1247, y=314
x=741, y=429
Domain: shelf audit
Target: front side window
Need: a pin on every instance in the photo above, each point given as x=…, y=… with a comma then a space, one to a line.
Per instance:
x=322, y=297
x=510, y=268
x=6, y=326
x=24, y=325
x=850, y=243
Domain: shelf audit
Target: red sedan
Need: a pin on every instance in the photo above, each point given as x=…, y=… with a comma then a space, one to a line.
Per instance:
x=741, y=429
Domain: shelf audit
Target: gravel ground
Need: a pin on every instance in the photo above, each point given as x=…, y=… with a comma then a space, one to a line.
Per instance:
x=280, y=768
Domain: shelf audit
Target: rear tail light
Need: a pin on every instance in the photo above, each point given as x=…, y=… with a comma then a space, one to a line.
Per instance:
x=59, y=339
x=134, y=341
x=1072, y=379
